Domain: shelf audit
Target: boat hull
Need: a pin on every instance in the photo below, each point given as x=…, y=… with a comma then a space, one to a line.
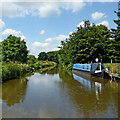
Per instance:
x=101, y=74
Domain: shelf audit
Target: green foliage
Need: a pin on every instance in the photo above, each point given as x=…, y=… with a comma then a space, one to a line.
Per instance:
x=14, y=49
x=12, y=70
x=52, y=56
x=15, y=70
x=42, y=56
x=110, y=66
x=31, y=59
x=86, y=44
x=115, y=42
x=0, y=51
x=69, y=67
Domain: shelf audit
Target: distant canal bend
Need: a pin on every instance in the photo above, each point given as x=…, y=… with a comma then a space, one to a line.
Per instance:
x=56, y=94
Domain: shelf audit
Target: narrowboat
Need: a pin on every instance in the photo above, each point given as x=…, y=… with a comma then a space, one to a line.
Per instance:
x=94, y=69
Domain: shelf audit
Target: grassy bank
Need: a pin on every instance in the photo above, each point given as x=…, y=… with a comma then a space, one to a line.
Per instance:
x=110, y=66
x=68, y=67
x=16, y=70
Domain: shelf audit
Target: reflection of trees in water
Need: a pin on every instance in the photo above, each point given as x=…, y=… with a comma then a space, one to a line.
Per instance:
x=53, y=71
x=14, y=91
x=91, y=96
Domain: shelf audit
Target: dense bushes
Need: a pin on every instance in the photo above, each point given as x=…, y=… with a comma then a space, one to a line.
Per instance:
x=15, y=70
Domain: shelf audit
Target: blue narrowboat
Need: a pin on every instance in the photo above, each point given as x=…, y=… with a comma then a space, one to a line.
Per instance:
x=95, y=69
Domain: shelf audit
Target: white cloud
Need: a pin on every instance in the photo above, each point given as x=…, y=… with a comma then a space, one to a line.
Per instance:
x=49, y=10
x=70, y=33
x=60, y=1
x=99, y=0
x=82, y=24
x=60, y=37
x=2, y=24
x=7, y=32
x=97, y=15
x=74, y=6
x=36, y=50
x=43, y=9
x=50, y=44
x=11, y=31
x=39, y=45
x=23, y=37
x=105, y=22
x=42, y=32
x=0, y=40
x=9, y=9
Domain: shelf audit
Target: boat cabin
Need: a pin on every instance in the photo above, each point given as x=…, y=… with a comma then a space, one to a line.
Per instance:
x=96, y=67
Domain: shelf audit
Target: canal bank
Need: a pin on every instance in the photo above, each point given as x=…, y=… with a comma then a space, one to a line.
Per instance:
x=16, y=70
x=56, y=94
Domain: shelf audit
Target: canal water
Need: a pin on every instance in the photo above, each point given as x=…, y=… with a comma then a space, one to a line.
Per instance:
x=56, y=94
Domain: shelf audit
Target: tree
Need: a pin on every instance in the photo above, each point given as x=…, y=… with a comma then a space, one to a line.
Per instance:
x=0, y=51
x=31, y=59
x=52, y=56
x=42, y=56
x=86, y=44
x=115, y=41
x=14, y=49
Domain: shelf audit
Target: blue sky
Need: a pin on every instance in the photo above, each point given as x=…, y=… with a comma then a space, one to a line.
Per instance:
x=44, y=25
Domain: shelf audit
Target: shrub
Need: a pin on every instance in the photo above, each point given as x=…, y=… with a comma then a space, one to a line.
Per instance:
x=15, y=70
x=69, y=66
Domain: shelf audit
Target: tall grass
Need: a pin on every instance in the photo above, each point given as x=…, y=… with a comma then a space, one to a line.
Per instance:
x=110, y=66
x=15, y=70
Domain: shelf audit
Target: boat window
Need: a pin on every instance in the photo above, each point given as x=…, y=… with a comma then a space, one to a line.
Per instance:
x=83, y=66
x=87, y=67
x=98, y=67
x=94, y=66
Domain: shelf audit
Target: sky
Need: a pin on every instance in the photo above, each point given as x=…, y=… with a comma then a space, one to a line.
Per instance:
x=44, y=24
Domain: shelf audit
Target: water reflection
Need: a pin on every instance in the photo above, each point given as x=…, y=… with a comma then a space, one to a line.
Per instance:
x=89, y=85
x=92, y=97
x=57, y=94
x=51, y=72
x=14, y=91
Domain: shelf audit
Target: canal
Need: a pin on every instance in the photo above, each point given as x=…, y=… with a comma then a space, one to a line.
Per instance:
x=56, y=94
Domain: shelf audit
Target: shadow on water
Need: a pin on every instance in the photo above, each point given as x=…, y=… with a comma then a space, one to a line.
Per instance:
x=14, y=91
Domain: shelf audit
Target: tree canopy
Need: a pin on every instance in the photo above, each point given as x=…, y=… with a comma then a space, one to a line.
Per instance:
x=52, y=56
x=42, y=56
x=86, y=44
x=115, y=42
x=14, y=49
x=31, y=59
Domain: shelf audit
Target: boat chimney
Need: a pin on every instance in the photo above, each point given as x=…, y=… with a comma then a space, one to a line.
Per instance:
x=96, y=59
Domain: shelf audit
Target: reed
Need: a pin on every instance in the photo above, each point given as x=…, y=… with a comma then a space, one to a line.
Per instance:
x=16, y=70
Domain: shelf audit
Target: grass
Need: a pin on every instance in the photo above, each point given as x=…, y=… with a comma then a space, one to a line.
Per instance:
x=16, y=70
x=110, y=66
